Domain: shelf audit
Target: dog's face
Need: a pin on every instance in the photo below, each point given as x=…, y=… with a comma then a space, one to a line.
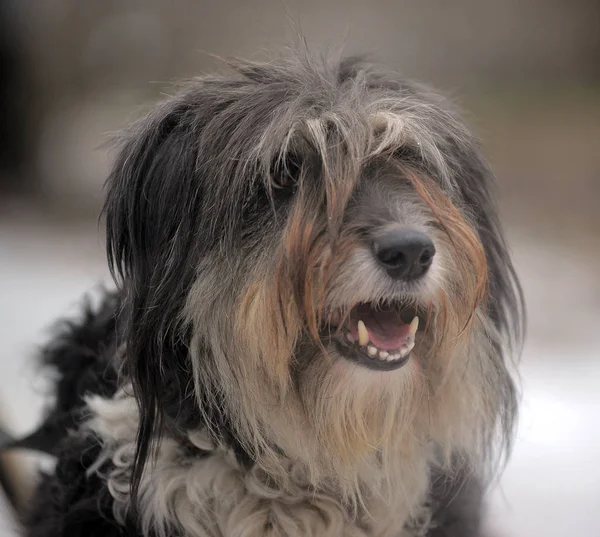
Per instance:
x=395, y=271
x=311, y=260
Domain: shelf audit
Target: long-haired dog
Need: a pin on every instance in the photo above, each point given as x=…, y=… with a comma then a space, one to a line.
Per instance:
x=314, y=324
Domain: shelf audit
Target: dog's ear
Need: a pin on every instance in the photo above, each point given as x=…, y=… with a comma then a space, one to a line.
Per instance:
x=478, y=189
x=152, y=210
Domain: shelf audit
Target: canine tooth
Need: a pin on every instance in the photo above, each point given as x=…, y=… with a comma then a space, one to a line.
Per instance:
x=414, y=325
x=371, y=350
x=383, y=354
x=363, y=334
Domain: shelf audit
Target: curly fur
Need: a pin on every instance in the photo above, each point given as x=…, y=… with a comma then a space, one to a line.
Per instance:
x=237, y=214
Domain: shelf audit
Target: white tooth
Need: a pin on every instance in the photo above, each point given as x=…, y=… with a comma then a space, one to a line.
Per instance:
x=406, y=350
x=371, y=350
x=393, y=357
x=414, y=325
x=363, y=334
x=383, y=354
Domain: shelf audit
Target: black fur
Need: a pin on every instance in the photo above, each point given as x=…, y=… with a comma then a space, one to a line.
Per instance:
x=83, y=355
x=67, y=501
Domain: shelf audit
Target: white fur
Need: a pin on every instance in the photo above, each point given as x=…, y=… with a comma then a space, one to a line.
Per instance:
x=212, y=496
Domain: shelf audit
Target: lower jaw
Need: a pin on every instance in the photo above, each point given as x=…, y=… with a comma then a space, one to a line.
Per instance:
x=358, y=357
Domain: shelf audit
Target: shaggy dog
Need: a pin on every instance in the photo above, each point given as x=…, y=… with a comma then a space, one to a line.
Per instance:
x=313, y=325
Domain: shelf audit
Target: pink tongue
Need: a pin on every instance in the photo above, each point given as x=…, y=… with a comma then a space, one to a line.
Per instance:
x=388, y=338
x=386, y=330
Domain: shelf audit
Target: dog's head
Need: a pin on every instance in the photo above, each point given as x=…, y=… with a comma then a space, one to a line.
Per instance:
x=312, y=266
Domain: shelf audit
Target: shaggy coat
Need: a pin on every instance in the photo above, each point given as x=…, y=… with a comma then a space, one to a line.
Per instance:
x=220, y=392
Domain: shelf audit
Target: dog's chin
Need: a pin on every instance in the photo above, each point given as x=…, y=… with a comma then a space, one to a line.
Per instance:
x=380, y=337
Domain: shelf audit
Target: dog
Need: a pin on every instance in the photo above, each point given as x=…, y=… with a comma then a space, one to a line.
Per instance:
x=314, y=326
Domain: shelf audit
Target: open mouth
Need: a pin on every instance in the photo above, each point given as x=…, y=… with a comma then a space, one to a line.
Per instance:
x=378, y=337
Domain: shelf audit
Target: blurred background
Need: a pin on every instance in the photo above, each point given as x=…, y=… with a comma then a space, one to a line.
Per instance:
x=526, y=73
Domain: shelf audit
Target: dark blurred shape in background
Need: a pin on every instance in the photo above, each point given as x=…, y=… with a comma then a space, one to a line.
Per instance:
x=72, y=72
x=527, y=74
x=18, y=146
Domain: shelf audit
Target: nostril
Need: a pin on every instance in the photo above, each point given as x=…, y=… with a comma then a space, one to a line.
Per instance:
x=426, y=257
x=391, y=257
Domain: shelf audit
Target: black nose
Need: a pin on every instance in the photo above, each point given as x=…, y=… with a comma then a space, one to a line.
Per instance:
x=406, y=254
